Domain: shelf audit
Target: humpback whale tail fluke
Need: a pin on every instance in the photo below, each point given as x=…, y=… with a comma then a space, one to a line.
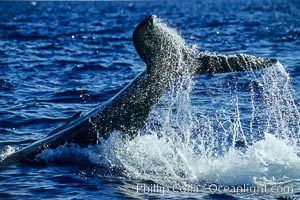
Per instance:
x=166, y=56
x=163, y=49
x=212, y=63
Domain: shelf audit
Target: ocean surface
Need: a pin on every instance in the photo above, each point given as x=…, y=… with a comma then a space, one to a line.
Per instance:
x=232, y=135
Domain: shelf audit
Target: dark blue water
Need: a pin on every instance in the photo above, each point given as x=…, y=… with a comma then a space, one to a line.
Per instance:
x=58, y=58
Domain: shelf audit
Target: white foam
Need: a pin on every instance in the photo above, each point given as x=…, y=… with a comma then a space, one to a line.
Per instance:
x=268, y=160
x=8, y=150
x=102, y=154
x=150, y=158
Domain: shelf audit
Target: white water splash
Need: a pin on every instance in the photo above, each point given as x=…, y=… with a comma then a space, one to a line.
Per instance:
x=8, y=150
x=183, y=143
x=174, y=150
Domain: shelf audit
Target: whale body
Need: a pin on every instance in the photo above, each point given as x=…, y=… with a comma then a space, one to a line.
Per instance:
x=128, y=110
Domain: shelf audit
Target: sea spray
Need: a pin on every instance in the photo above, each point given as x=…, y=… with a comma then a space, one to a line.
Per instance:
x=241, y=128
x=8, y=150
x=233, y=145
